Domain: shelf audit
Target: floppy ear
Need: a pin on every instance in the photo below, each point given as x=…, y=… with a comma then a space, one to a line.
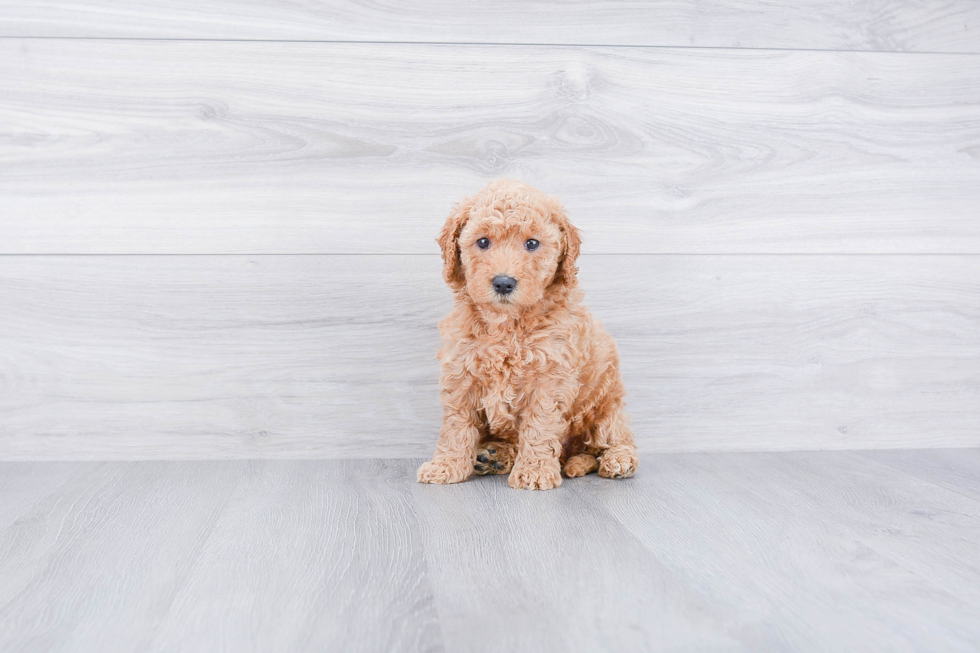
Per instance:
x=452, y=268
x=571, y=242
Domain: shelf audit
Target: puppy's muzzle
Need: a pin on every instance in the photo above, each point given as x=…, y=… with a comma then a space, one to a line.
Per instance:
x=503, y=284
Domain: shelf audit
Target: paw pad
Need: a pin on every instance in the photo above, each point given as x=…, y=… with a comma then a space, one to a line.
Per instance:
x=493, y=459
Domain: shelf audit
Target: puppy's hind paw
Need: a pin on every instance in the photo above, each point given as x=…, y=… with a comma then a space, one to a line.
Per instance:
x=495, y=458
x=580, y=465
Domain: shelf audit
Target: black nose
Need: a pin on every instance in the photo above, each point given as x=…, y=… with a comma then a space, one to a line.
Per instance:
x=504, y=284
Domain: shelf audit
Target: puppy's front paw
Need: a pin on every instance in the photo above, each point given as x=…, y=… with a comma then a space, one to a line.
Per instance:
x=445, y=470
x=618, y=462
x=538, y=475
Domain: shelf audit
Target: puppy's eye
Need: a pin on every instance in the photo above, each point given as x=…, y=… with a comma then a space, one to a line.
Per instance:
x=483, y=243
x=532, y=244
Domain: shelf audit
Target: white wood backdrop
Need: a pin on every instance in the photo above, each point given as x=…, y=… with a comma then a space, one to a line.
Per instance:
x=243, y=356
x=205, y=147
x=214, y=222
x=921, y=26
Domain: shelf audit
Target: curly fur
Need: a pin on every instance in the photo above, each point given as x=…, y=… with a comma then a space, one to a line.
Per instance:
x=530, y=381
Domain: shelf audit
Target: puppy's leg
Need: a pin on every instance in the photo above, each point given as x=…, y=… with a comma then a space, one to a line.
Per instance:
x=580, y=465
x=458, y=438
x=495, y=457
x=617, y=458
x=538, y=449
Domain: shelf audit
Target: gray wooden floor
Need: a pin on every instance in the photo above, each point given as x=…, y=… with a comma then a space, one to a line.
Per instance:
x=804, y=551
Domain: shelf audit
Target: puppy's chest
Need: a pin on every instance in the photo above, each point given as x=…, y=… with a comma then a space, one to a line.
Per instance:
x=513, y=362
x=506, y=373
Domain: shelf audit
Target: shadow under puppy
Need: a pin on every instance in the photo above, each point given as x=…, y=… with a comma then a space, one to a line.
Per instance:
x=530, y=381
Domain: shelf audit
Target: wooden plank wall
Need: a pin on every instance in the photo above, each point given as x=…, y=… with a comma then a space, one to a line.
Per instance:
x=881, y=25
x=217, y=222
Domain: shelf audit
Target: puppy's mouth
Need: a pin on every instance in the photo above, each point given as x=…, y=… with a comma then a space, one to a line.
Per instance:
x=503, y=303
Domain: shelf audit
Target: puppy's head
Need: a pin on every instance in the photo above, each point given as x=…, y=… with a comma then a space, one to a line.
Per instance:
x=508, y=246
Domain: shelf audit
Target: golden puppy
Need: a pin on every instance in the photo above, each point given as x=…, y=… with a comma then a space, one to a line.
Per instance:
x=530, y=381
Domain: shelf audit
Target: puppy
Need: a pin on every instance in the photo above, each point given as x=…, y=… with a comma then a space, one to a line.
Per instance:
x=530, y=381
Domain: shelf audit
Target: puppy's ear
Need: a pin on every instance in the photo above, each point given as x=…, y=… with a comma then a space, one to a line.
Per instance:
x=452, y=266
x=571, y=242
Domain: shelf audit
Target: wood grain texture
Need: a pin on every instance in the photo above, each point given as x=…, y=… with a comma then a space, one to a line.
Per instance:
x=241, y=147
x=914, y=509
x=935, y=25
x=93, y=566
x=334, y=356
x=816, y=550
x=953, y=469
x=244, y=556
x=551, y=572
x=22, y=486
x=198, y=356
x=806, y=551
x=310, y=556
